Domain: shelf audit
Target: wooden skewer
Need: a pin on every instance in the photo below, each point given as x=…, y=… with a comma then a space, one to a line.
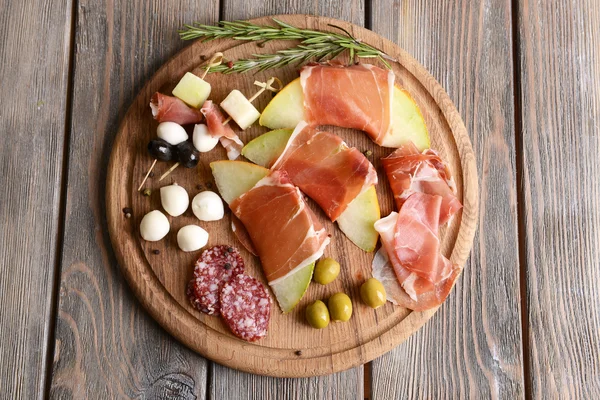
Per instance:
x=214, y=61
x=147, y=175
x=263, y=85
x=163, y=176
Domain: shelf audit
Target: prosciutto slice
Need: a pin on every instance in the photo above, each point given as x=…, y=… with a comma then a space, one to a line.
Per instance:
x=358, y=96
x=412, y=246
x=286, y=234
x=227, y=137
x=409, y=171
x=171, y=109
x=325, y=168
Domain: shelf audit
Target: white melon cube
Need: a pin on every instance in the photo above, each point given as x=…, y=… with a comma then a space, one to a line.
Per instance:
x=240, y=109
x=192, y=89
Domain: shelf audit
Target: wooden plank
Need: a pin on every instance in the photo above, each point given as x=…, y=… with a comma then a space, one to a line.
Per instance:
x=35, y=48
x=472, y=346
x=106, y=345
x=228, y=383
x=560, y=71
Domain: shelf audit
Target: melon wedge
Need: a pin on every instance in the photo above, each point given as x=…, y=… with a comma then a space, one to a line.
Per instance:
x=356, y=221
x=234, y=178
x=286, y=109
x=290, y=290
x=267, y=148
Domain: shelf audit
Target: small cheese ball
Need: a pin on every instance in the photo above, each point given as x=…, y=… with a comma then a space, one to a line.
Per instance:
x=208, y=206
x=174, y=200
x=154, y=226
x=191, y=238
x=171, y=133
x=240, y=109
x=202, y=139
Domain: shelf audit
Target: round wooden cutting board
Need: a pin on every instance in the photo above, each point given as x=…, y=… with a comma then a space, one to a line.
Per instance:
x=159, y=280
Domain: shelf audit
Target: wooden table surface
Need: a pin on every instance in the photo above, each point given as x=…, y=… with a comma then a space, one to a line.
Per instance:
x=524, y=318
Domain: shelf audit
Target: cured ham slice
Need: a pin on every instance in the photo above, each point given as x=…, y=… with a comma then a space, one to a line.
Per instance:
x=325, y=168
x=286, y=234
x=412, y=246
x=409, y=171
x=214, y=120
x=171, y=109
x=359, y=96
x=242, y=235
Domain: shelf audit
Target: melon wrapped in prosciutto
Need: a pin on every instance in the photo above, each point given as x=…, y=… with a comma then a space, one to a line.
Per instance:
x=410, y=171
x=423, y=276
x=171, y=109
x=358, y=96
x=286, y=234
x=325, y=168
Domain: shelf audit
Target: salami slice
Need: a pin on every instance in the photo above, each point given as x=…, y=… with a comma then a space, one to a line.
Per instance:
x=213, y=269
x=246, y=307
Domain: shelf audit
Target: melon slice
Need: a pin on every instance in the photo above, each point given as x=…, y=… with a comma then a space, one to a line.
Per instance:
x=290, y=290
x=267, y=148
x=356, y=221
x=286, y=109
x=234, y=178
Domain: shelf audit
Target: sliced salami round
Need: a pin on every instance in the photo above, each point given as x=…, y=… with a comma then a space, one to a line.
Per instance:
x=213, y=269
x=246, y=307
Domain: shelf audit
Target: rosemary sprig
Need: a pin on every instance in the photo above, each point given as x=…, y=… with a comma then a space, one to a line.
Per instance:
x=314, y=45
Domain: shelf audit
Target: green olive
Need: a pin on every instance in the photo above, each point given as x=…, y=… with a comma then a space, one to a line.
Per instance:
x=317, y=315
x=340, y=307
x=372, y=293
x=326, y=271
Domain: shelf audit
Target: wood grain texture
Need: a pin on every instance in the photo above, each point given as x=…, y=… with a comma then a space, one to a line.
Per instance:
x=472, y=347
x=347, y=384
x=159, y=280
x=560, y=71
x=34, y=76
x=106, y=345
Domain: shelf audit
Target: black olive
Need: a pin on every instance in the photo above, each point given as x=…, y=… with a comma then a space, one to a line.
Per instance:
x=161, y=150
x=187, y=155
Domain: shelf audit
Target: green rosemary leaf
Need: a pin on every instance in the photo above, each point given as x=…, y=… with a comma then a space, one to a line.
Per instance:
x=313, y=45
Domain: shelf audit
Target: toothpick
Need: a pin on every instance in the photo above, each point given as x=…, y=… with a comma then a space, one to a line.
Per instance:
x=147, y=175
x=214, y=61
x=163, y=176
x=264, y=86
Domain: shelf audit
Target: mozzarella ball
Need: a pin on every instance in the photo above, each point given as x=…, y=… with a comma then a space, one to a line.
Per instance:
x=208, y=206
x=191, y=238
x=174, y=200
x=172, y=133
x=154, y=226
x=203, y=141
